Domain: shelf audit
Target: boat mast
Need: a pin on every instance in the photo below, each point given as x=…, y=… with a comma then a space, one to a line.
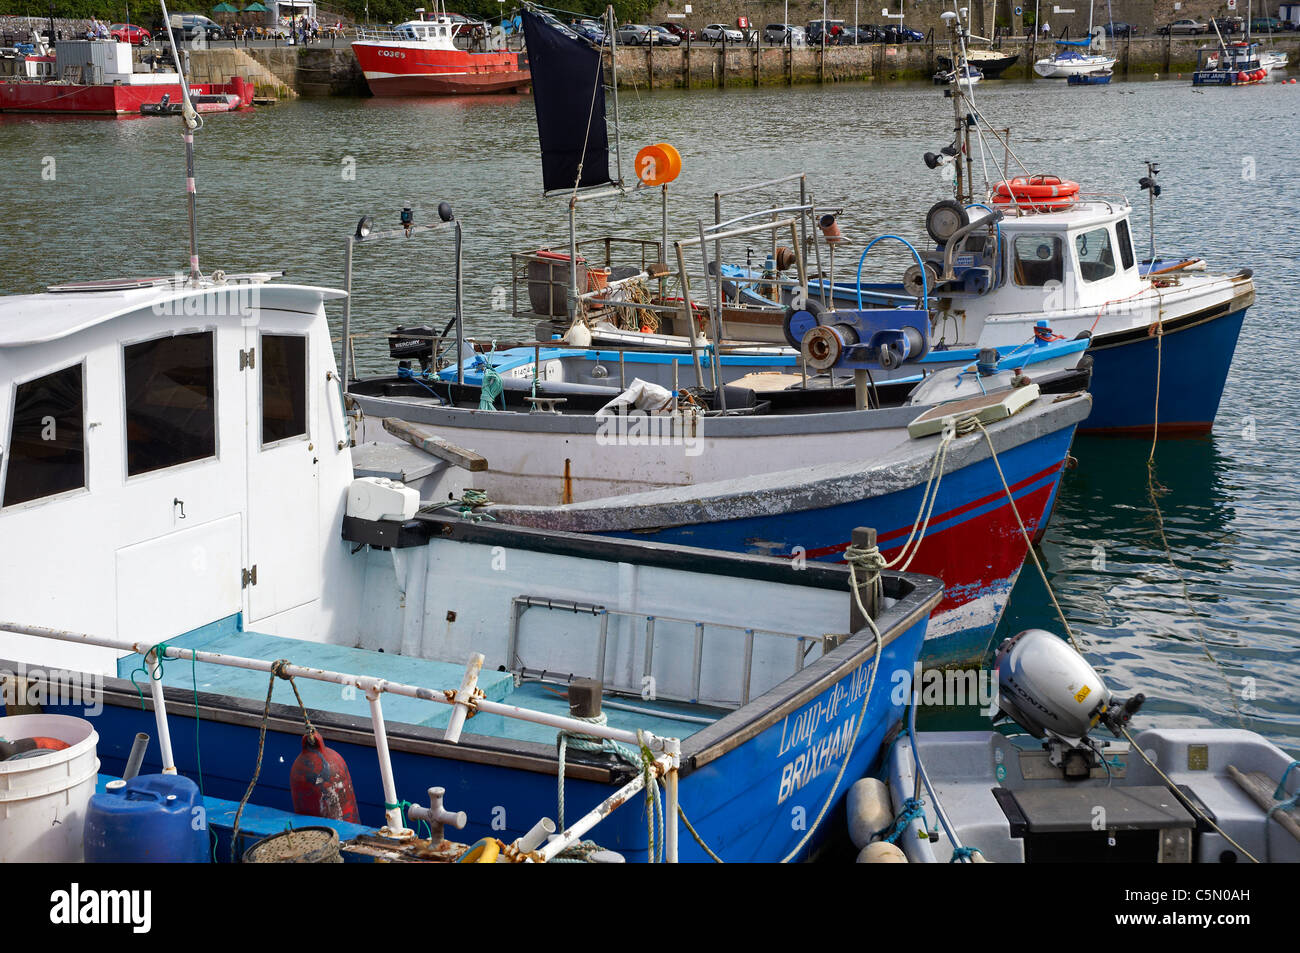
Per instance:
x=613, y=76
x=961, y=129
x=192, y=123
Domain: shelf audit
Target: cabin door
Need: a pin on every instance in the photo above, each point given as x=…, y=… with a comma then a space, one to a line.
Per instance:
x=284, y=554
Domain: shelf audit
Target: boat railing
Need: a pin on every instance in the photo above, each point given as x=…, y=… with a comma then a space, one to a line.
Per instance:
x=465, y=701
x=383, y=36
x=1112, y=201
x=802, y=644
x=541, y=283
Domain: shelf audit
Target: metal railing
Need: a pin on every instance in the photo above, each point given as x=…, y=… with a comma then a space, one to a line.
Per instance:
x=465, y=700
x=802, y=643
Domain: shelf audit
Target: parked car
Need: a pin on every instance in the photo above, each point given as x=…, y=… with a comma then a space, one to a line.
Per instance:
x=591, y=31
x=676, y=29
x=1230, y=25
x=130, y=33
x=196, y=25
x=1183, y=28
x=779, y=34
x=634, y=34
x=665, y=37
x=1269, y=25
x=1116, y=28
x=717, y=33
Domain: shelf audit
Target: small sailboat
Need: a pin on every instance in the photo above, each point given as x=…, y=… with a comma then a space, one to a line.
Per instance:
x=1072, y=60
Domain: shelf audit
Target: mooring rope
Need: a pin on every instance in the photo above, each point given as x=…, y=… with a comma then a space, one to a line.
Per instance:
x=862, y=712
x=1154, y=488
x=1029, y=543
x=1190, y=803
x=277, y=671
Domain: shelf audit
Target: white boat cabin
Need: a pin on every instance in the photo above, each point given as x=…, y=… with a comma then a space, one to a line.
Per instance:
x=1074, y=263
x=170, y=455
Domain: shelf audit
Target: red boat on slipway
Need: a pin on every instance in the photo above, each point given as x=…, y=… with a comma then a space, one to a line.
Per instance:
x=98, y=77
x=421, y=58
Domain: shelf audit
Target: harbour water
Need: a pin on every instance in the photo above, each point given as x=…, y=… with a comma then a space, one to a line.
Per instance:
x=1205, y=626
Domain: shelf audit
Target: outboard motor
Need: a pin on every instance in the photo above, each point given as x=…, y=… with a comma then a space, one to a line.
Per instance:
x=408, y=344
x=1047, y=688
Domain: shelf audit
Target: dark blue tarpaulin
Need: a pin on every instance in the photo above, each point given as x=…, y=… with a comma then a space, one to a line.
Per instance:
x=569, y=95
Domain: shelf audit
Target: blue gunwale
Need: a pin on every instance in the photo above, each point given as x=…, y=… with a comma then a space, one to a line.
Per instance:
x=724, y=787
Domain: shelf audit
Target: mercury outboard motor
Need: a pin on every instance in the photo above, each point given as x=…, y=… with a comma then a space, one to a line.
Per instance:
x=1047, y=688
x=408, y=344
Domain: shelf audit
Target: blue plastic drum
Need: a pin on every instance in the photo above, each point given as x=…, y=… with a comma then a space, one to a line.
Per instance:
x=151, y=819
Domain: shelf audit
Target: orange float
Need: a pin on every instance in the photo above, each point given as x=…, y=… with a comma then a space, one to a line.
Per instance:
x=658, y=164
x=1042, y=193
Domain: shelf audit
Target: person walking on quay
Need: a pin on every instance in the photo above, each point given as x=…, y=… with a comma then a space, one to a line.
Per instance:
x=1047, y=29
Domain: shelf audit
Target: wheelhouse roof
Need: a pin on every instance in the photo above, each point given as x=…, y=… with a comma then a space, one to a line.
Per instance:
x=32, y=319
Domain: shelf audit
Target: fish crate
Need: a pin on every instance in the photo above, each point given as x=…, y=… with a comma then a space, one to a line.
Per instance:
x=542, y=281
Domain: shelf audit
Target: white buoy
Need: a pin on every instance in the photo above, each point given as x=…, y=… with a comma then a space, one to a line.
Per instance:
x=881, y=853
x=869, y=810
x=578, y=335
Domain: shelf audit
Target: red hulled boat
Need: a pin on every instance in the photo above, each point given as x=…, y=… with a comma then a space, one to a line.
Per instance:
x=35, y=82
x=421, y=58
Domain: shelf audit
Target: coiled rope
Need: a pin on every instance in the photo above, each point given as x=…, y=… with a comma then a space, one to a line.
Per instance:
x=643, y=760
x=491, y=387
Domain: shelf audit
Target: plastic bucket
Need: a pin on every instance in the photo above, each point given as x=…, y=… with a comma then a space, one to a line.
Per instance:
x=43, y=799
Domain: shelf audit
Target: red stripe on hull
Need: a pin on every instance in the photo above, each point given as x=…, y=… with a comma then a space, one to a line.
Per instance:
x=106, y=100
x=900, y=535
x=449, y=85
x=983, y=553
x=1182, y=429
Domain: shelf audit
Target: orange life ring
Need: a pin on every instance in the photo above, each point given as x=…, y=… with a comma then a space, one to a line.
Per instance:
x=1043, y=193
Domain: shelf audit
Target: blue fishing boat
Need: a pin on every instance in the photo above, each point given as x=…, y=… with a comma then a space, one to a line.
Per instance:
x=215, y=556
x=762, y=466
x=1230, y=64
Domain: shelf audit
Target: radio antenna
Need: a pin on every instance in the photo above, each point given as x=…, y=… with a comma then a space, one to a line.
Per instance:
x=193, y=122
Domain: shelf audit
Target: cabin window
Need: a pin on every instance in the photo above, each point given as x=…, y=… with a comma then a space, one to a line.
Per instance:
x=284, y=387
x=47, y=443
x=1096, y=258
x=171, y=407
x=1125, y=243
x=1038, y=260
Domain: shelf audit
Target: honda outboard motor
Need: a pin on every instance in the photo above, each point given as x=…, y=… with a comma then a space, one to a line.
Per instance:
x=1047, y=688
